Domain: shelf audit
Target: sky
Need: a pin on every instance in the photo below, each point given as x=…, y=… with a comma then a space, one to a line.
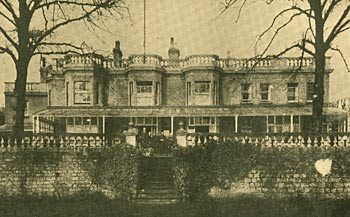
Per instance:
x=197, y=29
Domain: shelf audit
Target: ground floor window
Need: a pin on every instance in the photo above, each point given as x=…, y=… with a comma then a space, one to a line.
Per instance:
x=202, y=124
x=148, y=124
x=82, y=124
x=283, y=124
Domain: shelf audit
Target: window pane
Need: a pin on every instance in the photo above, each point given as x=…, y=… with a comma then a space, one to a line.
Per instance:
x=271, y=119
x=264, y=87
x=206, y=120
x=286, y=119
x=296, y=119
x=70, y=121
x=94, y=121
x=86, y=121
x=245, y=92
x=77, y=121
x=144, y=86
x=148, y=120
x=264, y=96
x=202, y=87
x=292, y=92
x=279, y=120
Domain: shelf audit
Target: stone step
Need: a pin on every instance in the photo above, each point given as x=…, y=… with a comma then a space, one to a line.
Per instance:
x=156, y=200
x=156, y=196
x=157, y=191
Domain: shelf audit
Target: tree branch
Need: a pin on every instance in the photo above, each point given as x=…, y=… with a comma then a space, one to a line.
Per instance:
x=342, y=56
x=336, y=27
x=276, y=32
x=9, y=52
x=8, y=37
x=330, y=8
x=97, y=7
x=7, y=18
x=9, y=8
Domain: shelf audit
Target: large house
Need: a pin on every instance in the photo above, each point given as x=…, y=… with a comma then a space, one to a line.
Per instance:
x=94, y=94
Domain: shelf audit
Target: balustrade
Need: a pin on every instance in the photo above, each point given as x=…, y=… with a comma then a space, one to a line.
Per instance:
x=30, y=87
x=323, y=141
x=191, y=61
x=77, y=142
x=69, y=141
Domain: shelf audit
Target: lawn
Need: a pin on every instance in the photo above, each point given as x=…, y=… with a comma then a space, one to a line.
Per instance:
x=241, y=207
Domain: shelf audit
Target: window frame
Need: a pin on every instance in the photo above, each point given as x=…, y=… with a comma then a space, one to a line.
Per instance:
x=267, y=91
x=295, y=88
x=82, y=92
x=246, y=91
x=144, y=88
x=197, y=89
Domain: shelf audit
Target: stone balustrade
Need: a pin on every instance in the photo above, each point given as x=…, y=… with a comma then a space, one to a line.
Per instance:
x=324, y=141
x=30, y=87
x=138, y=59
x=232, y=64
x=183, y=139
x=66, y=141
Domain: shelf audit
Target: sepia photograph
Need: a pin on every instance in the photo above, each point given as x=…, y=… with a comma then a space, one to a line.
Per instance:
x=174, y=108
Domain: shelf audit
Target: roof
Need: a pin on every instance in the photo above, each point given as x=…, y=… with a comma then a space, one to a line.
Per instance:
x=184, y=111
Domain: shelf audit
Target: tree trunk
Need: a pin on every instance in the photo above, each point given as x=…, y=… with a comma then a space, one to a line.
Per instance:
x=318, y=102
x=320, y=63
x=20, y=96
x=24, y=56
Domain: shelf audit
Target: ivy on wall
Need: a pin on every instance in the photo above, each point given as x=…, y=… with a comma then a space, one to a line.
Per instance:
x=115, y=168
x=25, y=164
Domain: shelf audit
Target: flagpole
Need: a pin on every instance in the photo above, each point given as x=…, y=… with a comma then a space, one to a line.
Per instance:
x=144, y=31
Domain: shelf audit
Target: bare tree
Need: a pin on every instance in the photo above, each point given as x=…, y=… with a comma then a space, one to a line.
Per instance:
x=326, y=21
x=28, y=27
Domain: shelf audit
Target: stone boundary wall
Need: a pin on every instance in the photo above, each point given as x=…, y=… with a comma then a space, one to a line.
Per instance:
x=288, y=184
x=62, y=175
x=61, y=172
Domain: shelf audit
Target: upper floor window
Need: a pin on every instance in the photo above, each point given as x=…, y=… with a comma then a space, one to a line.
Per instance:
x=144, y=87
x=202, y=87
x=265, y=92
x=246, y=92
x=292, y=92
x=82, y=94
x=309, y=91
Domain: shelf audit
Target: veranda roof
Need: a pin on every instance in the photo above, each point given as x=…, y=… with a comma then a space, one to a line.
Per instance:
x=183, y=111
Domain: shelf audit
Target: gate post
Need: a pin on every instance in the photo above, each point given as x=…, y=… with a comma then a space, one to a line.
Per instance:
x=181, y=135
x=130, y=135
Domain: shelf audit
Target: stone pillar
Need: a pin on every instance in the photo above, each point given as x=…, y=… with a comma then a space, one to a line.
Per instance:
x=130, y=135
x=236, y=123
x=181, y=135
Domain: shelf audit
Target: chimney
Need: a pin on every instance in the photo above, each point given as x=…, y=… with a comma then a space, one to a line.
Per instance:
x=117, y=54
x=173, y=53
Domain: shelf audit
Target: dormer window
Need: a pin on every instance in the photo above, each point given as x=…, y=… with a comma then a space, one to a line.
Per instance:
x=202, y=87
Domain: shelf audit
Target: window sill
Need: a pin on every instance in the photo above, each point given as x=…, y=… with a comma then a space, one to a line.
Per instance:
x=246, y=102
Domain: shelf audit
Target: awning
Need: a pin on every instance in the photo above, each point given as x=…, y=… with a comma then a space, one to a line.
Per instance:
x=184, y=111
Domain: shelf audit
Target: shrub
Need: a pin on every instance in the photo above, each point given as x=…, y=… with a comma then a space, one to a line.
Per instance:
x=115, y=167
